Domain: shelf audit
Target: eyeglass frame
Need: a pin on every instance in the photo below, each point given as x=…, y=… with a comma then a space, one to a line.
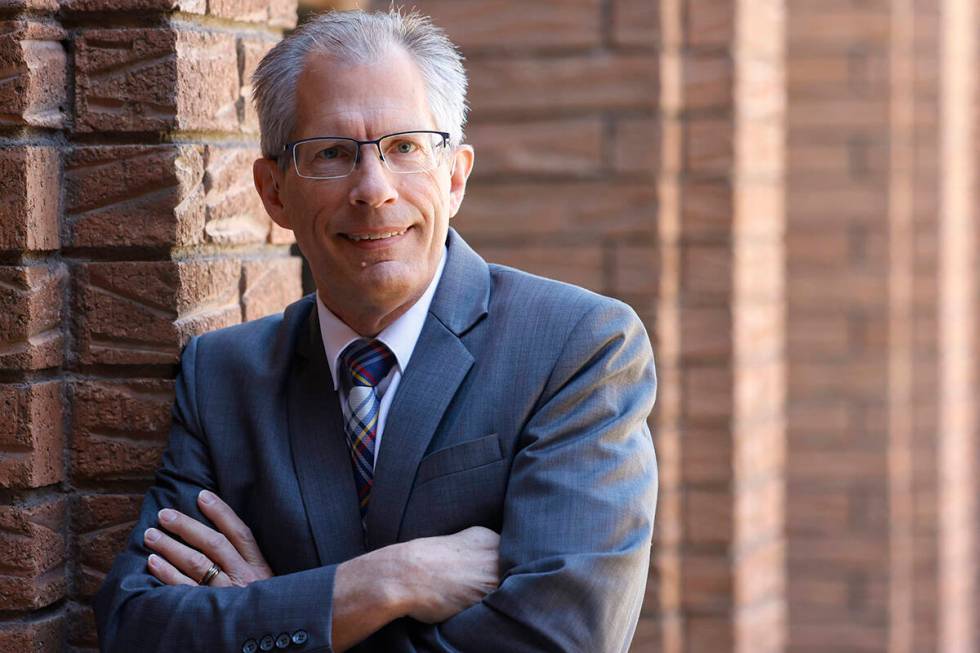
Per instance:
x=291, y=147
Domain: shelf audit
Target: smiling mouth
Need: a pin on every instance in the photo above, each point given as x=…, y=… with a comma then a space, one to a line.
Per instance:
x=378, y=236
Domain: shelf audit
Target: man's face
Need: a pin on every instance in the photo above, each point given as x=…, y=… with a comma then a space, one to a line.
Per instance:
x=331, y=217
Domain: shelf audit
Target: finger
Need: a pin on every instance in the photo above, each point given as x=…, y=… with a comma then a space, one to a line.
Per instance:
x=190, y=563
x=237, y=531
x=166, y=572
x=213, y=545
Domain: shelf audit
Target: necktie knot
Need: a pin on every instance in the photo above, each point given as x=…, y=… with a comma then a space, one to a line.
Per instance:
x=366, y=363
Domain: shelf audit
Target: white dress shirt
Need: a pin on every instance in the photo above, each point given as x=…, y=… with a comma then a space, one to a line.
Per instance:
x=400, y=337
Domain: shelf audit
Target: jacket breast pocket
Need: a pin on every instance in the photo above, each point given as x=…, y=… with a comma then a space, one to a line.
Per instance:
x=457, y=487
x=458, y=458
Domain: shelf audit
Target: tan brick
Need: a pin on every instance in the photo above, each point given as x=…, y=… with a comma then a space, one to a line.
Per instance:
x=135, y=195
x=636, y=23
x=31, y=437
x=270, y=285
x=30, y=316
x=29, y=191
x=143, y=312
x=578, y=264
x=34, y=68
x=149, y=79
x=542, y=148
x=32, y=546
x=539, y=86
x=824, y=28
x=508, y=24
x=44, y=634
x=120, y=428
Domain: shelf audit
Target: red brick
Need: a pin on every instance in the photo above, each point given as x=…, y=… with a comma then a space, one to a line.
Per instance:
x=102, y=523
x=636, y=23
x=584, y=210
x=274, y=13
x=709, y=147
x=707, y=583
x=706, y=274
x=29, y=198
x=82, y=633
x=31, y=437
x=120, y=428
x=37, y=5
x=708, y=398
x=637, y=146
x=822, y=28
x=135, y=195
x=250, y=51
x=30, y=316
x=34, y=634
x=543, y=148
x=708, y=83
x=133, y=80
x=707, y=456
x=270, y=285
x=539, y=86
x=708, y=516
x=636, y=269
x=164, y=6
x=507, y=24
x=32, y=546
x=579, y=264
x=143, y=312
x=710, y=23
x=707, y=334
x=233, y=209
x=34, y=67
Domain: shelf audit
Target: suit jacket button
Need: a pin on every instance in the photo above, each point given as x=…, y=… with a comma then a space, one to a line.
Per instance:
x=300, y=637
x=267, y=643
x=283, y=640
x=250, y=646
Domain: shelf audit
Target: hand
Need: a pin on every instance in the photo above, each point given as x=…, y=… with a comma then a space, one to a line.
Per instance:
x=447, y=574
x=233, y=548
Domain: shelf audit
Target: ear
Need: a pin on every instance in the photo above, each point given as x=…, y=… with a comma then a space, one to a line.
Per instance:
x=463, y=159
x=268, y=180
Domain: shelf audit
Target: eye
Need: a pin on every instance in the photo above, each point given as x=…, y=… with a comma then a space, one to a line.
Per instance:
x=329, y=153
x=405, y=147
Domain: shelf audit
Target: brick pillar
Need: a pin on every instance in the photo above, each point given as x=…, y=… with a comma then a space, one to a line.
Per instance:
x=881, y=301
x=127, y=224
x=720, y=322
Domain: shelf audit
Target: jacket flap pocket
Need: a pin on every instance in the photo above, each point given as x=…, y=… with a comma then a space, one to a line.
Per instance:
x=459, y=457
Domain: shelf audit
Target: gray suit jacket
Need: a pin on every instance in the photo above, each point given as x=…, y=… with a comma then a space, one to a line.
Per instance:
x=523, y=409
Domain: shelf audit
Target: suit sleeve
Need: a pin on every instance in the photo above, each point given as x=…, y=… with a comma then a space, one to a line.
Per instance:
x=579, y=508
x=136, y=612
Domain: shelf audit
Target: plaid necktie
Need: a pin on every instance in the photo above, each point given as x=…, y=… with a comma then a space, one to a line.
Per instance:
x=364, y=363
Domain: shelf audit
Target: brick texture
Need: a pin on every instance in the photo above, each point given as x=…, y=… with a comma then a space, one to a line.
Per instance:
x=128, y=224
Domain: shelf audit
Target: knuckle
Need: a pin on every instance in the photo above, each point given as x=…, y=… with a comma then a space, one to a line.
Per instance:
x=201, y=562
x=216, y=542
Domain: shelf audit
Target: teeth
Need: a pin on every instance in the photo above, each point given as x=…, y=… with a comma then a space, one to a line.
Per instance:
x=390, y=234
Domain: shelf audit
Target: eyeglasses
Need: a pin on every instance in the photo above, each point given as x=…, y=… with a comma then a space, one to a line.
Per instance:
x=333, y=157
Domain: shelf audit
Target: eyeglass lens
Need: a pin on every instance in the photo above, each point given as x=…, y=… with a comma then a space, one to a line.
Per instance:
x=325, y=158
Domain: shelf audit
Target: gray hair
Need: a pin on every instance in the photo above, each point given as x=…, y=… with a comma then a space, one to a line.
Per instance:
x=359, y=36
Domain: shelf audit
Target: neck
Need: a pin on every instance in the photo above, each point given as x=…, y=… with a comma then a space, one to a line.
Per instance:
x=366, y=319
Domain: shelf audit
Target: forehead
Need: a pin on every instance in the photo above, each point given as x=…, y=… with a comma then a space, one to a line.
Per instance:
x=361, y=99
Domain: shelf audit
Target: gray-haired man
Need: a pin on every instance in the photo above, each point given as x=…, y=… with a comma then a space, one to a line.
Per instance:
x=428, y=454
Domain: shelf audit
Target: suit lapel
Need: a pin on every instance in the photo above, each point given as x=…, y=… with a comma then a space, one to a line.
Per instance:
x=320, y=453
x=429, y=384
x=438, y=366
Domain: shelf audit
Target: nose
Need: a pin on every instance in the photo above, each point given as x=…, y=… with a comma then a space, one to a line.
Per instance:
x=371, y=182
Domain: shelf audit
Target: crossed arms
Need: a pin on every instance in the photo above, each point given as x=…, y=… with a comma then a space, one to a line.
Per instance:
x=566, y=574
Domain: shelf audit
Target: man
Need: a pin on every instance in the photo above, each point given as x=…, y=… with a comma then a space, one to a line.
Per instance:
x=430, y=453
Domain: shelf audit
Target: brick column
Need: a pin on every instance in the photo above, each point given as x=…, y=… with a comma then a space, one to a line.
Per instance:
x=720, y=320
x=127, y=224
x=881, y=458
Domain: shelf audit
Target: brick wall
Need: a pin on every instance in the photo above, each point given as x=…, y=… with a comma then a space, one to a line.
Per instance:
x=127, y=224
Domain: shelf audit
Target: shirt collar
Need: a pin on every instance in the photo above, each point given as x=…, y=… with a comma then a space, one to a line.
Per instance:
x=400, y=336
